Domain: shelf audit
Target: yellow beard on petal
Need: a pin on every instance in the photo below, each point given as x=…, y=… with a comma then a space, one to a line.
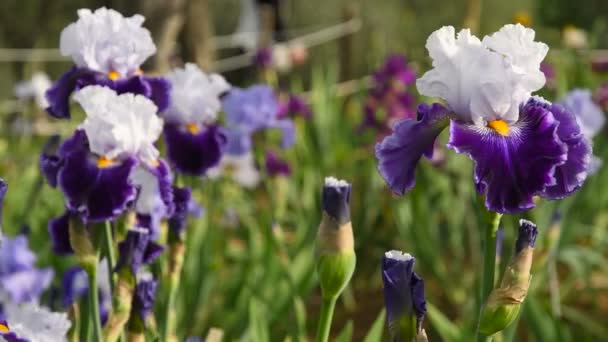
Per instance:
x=113, y=75
x=104, y=162
x=193, y=128
x=500, y=126
x=4, y=328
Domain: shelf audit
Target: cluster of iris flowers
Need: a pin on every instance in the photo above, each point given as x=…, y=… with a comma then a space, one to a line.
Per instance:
x=110, y=168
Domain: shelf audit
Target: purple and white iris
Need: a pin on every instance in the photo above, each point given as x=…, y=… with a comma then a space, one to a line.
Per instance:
x=108, y=50
x=522, y=145
x=194, y=141
x=30, y=322
x=144, y=296
x=19, y=277
x=94, y=167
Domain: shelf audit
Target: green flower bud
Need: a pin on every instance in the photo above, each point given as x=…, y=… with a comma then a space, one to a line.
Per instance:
x=335, y=243
x=505, y=301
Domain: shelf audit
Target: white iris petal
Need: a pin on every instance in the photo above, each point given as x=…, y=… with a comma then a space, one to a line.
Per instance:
x=119, y=125
x=195, y=96
x=105, y=41
x=487, y=80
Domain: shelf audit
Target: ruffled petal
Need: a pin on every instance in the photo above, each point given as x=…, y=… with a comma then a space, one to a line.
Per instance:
x=98, y=194
x=27, y=285
x=510, y=170
x=59, y=230
x=59, y=94
x=399, y=153
x=572, y=174
x=191, y=153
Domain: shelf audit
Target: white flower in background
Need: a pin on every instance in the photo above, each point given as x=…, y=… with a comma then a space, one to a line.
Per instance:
x=281, y=57
x=483, y=81
x=119, y=125
x=574, y=37
x=34, y=88
x=107, y=42
x=195, y=96
x=241, y=168
x=35, y=323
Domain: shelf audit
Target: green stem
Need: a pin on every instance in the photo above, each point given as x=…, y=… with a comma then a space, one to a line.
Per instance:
x=109, y=244
x=176, y=261
x=489, y=267
x=327, y=314
x=91, y=270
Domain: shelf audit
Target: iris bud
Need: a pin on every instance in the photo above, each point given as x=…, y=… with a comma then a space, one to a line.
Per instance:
x=335, y=243
x=505, y=301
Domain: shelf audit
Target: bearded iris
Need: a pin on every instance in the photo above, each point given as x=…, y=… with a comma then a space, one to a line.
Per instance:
x=107, y=49
x=522, y=145
x=194, y=141
x=110, y=164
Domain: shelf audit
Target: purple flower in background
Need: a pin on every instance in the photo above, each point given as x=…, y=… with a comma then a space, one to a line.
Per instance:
x=601, y=96
x=108, y=50
x=19, y=277
x=403, y=295
x=177, y=222
x=75, y=285
x=599, y=63
x=155, y=195
x=93, y=168
x=263, y=58
x=276, y=166
x=549, y=71
x=391, y=93
x=254, y=109
x=589, y=117
x=136, y=250
x=291, y=105
x=522, y=146
x=194, y=141
x=145, y=293
x=3, y=188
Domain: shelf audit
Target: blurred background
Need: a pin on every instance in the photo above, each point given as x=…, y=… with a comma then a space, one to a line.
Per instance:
x=250, y=264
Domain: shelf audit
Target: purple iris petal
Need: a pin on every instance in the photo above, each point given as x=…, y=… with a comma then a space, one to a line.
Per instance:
x=403, y=289
x=399, y=153
x=335, y=200
x=194, y=153
x=99, y=194
x=510, y=170
x=143, y=301
x=18, y=275
x=276, y=166
x=177, y=222
x=49, y=162
x=137, y=249
x=256, y=108
x=154, y=88
x=59, y=94
x=3, y=188
x=292, y=106
x=75, y=284
x=237, y=142
x=570, y=176
x=395, y=67
x=59, y=230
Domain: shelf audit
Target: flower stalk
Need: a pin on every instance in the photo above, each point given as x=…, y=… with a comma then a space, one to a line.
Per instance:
x=489, y=266
x=122, y=298
x=88, y=256
x=177, y=250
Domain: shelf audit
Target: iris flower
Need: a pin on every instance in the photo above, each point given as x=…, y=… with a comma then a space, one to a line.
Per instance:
x=107, y=49
x=20, y=279
x=522, y=146
x=194, y=141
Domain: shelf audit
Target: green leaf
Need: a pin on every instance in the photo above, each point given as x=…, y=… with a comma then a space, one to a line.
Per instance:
x=377, y=329
x=446, y=329
x=346, y=335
